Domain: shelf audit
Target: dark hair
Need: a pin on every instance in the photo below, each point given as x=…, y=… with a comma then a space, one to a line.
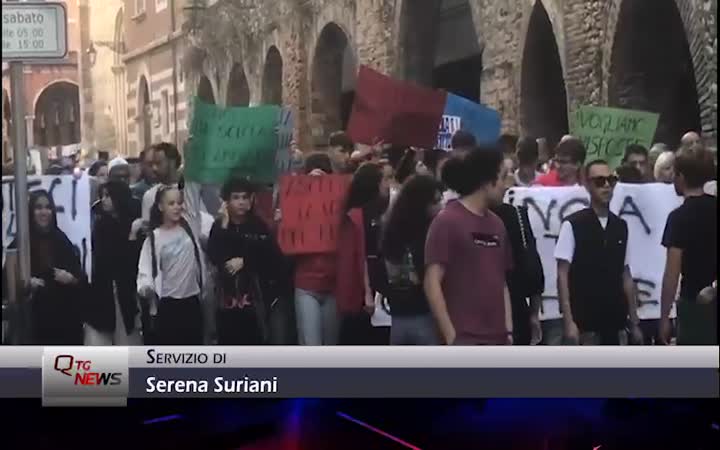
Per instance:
x=462, y=139
x=573, y=149
x=318, y=160
x=341, y=139
x=593, y=163
x=409, y=218
x=508, y=143
x=145, y=152
x=634, y=149
x=451, y=172
x=697, y=166
x=34, y=197
x=478, y=169
x=629, y=174
x=237, y=185
x=121, y=197
x=528, y=151
x=170, y=150
x=96, y=166
x=364, y=187
x=133, y=160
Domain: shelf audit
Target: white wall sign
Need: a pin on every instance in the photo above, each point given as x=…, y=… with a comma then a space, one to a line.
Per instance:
x=34, y=31
x=72, y=199
x=645, y=208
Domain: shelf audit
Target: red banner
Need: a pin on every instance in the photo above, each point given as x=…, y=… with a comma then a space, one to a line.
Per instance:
x=398, y=112
x=311, y=209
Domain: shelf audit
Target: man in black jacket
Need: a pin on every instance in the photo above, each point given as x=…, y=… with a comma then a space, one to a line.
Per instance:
x=596, y=289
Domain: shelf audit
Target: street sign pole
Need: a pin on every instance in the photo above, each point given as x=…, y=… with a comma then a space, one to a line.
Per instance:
x=19, y=134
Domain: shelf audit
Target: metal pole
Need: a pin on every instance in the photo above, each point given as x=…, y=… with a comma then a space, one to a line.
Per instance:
x=22, y=218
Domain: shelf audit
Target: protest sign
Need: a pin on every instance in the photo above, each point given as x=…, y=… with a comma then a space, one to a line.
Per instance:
x=606, y=132
x=234, y=141
x=72, y=200
x=448, y=127
x=311, y=211
x=396, y=112
x=644, y=208
x=283, y=158
x=479, y=120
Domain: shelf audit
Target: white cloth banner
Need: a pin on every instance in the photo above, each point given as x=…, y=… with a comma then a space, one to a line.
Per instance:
x=72, y=199
x=644, y=207
x=449, y=125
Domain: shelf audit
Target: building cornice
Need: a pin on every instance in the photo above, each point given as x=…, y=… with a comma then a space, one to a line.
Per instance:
x=157, y=43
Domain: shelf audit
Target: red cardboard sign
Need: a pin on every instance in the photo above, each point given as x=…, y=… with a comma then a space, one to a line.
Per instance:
x=311, y=209
x=397, y=112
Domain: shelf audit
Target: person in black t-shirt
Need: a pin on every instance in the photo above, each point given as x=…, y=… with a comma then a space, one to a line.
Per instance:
x=691, y=241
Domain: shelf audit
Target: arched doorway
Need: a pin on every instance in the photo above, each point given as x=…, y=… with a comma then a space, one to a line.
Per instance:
x=57, y=115
x=652, y=69
x=543, y=98
x=334, y=72
x=205, y=90
x=272, y=89
x=238, y=90
x=439, y=46
x=145, y=109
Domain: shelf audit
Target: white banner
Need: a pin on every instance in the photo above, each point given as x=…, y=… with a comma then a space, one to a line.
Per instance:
x=448, y=127
x=644, y=207
x=72, y=199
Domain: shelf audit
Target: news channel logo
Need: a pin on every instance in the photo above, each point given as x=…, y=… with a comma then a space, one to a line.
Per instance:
x=85, y=376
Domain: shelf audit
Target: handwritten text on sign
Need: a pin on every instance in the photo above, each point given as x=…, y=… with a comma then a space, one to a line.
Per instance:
x=607, y=132
x=72, y=200
x=644, y=207
x=311, y=208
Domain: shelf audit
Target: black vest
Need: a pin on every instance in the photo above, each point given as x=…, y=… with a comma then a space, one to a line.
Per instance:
x=597, y=297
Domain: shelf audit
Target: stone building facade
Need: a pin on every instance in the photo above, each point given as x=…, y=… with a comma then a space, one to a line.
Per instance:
x=532, y=60
x=52, y=94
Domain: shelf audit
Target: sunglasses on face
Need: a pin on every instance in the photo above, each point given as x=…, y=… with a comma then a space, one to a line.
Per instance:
x=600, y=182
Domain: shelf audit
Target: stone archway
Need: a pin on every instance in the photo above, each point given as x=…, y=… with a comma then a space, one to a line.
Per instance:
x=334, y=70
x=438, y=46
x=651, y=67
x=272, y=89
x=144, y=113
x=238, y=92
x=205, y=90
x=57, y=115
x=543, y=97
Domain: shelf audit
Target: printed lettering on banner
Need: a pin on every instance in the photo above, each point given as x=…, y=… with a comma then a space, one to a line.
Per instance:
x=72, y=200
x=644, y=208
x=311, y=211
x=448, y=127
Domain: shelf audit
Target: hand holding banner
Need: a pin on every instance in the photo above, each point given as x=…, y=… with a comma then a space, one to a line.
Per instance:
x=311, y=209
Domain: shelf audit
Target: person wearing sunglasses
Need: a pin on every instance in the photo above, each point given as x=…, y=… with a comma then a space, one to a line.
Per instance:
x=595, y=286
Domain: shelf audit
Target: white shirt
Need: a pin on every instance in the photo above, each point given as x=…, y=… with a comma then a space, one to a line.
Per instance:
x=177, y=267
x=565, y=247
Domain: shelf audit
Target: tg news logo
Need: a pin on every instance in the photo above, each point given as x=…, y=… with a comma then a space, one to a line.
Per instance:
x=82, y=376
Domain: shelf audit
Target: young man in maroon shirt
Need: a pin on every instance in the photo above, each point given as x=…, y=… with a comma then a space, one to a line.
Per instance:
x=467, y=255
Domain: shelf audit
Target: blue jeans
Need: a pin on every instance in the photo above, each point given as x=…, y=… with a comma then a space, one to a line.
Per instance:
x=414, y=330
x=316, y=317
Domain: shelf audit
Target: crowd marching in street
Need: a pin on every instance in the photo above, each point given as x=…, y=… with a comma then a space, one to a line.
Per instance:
x=425, y=233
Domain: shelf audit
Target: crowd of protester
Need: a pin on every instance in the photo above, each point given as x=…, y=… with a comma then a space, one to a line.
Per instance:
x=425, y=232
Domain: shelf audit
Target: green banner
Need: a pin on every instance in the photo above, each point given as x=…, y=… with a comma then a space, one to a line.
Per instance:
x=606, y=132
x=232, y=142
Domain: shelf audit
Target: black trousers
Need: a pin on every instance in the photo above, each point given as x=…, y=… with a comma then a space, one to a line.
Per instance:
x=356, y=329
x=238, y=327
x=179, y=322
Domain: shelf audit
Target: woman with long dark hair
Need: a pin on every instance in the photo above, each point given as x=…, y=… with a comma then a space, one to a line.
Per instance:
x=57, y=281
x=361, y=270
x=403, y=247
x=112, y=316
x=171, y=271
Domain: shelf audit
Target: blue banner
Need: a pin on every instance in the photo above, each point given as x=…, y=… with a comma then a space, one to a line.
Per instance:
x=481, y=121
